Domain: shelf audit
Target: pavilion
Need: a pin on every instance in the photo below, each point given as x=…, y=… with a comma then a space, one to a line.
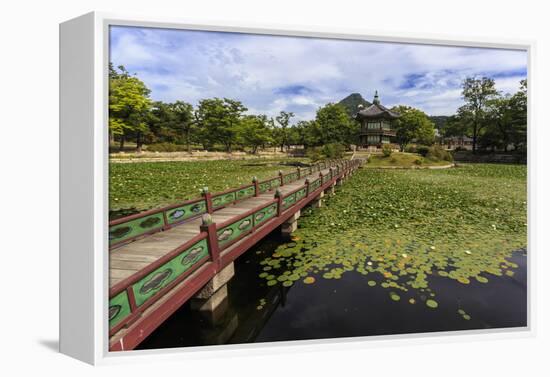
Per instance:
x=376, y=124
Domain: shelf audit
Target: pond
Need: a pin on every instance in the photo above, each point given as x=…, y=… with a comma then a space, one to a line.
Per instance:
x=391, y=253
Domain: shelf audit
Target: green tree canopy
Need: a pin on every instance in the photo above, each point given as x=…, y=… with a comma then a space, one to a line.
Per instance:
x=333, y=125
x=476, y=92
x=218, y=121
x=413, y=124
x=255, y=131
x=281, y=133
x=129, y=105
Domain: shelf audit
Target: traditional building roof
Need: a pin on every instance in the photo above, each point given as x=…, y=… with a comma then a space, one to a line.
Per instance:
x=376, y=110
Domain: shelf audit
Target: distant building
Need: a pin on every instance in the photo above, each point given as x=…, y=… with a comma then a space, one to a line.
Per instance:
x=463, y=142
x=376, y=124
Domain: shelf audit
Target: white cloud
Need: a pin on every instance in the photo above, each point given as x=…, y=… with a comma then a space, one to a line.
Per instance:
x=273, y=73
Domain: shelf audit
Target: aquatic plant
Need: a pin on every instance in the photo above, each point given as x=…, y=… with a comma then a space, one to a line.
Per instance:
x=403, y=228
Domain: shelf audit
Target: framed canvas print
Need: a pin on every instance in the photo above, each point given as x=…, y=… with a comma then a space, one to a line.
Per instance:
x=224, y=185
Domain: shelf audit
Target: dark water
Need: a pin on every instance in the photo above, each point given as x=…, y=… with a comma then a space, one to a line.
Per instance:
x=345, y=307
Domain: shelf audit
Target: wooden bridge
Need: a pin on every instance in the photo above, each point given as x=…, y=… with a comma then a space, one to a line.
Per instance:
x=162, y=258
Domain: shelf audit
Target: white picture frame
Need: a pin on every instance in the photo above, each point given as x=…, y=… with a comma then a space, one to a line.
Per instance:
x=84, y=43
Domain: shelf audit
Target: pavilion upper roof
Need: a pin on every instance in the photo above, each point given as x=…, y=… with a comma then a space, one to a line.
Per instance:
x=376, y=110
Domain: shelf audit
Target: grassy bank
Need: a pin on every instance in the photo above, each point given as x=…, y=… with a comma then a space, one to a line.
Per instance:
x=402, y=160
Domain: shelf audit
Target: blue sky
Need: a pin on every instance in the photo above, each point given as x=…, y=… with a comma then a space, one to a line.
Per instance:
x=273, y=73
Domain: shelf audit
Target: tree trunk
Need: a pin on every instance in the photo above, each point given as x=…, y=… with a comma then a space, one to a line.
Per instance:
x=187, y=143
x=121, y=145
x=139, y=142
x=474, y=140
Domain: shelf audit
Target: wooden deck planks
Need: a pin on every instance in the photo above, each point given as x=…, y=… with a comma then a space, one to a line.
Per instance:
x=131, y=258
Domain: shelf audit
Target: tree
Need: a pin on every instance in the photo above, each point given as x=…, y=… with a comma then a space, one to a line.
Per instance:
x=255, y=132
x=413, y=124
x=476, y=92
x=218, y=121
x=334, y=125
x=129, y=105
x=499, y=129
x=282, y=133
x=518, y=105
x=182, y=115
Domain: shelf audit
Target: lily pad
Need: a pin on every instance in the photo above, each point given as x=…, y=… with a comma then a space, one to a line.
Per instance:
x=309, y=280
x=431, y=303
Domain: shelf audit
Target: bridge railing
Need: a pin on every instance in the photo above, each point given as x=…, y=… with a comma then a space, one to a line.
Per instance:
x=130, y=228
x=131, y=296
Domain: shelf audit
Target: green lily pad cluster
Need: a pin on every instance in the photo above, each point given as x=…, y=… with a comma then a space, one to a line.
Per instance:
x=401, y=229
x=145, y=185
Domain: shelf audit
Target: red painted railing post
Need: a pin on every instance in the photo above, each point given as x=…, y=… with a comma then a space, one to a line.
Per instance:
x=307, y=187
x=281, y=178
x=321, y=177
x=279, y=196
x=256, y=186
x=209, y=227
x=208, y=198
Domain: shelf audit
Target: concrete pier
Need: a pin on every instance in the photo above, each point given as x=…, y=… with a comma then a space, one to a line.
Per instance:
x=212, y=299
x=290, y=225
x=318, y=201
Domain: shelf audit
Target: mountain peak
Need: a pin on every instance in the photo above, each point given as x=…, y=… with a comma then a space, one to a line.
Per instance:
x=352, y=102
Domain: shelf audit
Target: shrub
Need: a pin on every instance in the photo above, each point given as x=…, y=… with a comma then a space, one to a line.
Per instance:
x=386, y=150
x=422, y=150
x=314, y=154
x=437, y=153
x=333, y=150
x=410, y=149
x=418, y=161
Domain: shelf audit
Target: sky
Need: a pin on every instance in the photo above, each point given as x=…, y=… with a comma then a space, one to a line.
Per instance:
x=269, y=74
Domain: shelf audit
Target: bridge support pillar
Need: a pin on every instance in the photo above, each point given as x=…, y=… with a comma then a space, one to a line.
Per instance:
x=330, y=189
x=318, y=201
x=290, y=225
x=211, y=301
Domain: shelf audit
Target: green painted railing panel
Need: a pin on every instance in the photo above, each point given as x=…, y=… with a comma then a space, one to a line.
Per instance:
x=275, y=182
x=178, y=214
x=270, y=184
x=265, y=214
x=289, y=201
x=223, y=199
x=314, y=185
x=134, y=228
x=165, y=274
x=119, y=309
x=246, y=192
x=290, y=177
x=234, y=230
x=301, y=194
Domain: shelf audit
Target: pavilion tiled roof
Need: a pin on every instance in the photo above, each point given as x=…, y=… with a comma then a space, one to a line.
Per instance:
x=377, y=110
